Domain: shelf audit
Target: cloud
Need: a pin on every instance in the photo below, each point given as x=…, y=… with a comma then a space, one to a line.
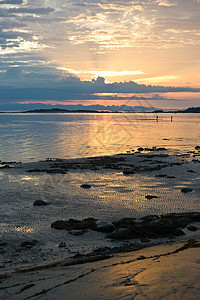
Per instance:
x=11, y=2
x=72, y=88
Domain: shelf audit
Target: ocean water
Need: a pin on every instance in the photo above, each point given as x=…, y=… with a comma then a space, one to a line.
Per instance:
x=31, y=137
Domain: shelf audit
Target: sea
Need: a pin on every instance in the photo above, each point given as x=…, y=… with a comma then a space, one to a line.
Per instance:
x=34, y=137
x=31, y=137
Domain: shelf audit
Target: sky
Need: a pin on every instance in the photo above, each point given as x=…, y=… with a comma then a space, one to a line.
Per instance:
x=133, y=52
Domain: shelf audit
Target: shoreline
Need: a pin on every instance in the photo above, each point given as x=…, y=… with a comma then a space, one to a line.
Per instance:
x=68, y=185
x=138, y=274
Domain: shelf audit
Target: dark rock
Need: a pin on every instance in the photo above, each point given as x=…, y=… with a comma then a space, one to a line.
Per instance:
x=140, y=149
x=192, y=228
x=73, y=224
x=150, y=218
x=3, y=244
x=128, y=172
x=197, y=148
x=104, y=226
x=141, y=257
x=5, y=167
x=62, y=245
x=186, y=190
x=120, y=234
x=59, y=224
x=40, y=203
x=150, y=197
x=177, y=232
x=85, y=186
x=191, y=171
x=124, y=223
x=29, y=244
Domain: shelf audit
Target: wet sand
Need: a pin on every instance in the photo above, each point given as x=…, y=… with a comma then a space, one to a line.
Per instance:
x=170, y=271
x=172, y=276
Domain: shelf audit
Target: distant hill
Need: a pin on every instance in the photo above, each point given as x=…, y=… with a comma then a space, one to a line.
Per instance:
x=57, y=110
x=191, y=110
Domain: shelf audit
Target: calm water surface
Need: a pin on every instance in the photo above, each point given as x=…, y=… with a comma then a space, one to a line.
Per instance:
x=37, y=136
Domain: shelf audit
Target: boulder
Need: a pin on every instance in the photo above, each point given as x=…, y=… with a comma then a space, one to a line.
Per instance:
x=186, y=190
x=85, y=186
x=73, y=224
x=40, y=203
x=104, y=226
x=192, y=228
x=120, y=234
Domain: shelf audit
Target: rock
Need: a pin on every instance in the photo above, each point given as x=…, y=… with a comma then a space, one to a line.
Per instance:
x=73, y=224
x=178, y=232
x=40, y=203
x=29, y=244
x=186, y=190
x=140, y=149
x=128, y=172
x=62, y=245
x=120, y=234
x=104, y=226
x=150, y=197
x=59, y=224
x=150, y=218
x=124, y=223
x=191, y=171
x=5, y=167
x=77, y=232
x=85, y=186
x=197, y=148
x=192, y=228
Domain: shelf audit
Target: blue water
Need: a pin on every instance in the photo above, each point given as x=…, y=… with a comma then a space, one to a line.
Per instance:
x=25, y=137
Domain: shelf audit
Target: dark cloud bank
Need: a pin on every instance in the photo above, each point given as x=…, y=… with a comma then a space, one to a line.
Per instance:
x=73, y=88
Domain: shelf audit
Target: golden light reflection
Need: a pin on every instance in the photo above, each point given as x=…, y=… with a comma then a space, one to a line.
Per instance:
x=24, y=229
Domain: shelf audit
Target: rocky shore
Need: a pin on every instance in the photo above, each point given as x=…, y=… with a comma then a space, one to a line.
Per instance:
x=89, y=209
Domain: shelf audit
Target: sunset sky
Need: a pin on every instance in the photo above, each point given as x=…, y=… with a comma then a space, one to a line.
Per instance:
x=53, y=51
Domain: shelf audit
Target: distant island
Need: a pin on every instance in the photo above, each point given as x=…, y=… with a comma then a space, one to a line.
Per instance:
x=79, y=108
x=59, y=110
x=192, y=110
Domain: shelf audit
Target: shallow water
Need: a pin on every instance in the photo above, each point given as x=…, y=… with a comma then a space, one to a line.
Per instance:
x=37, y=136
x=112, y=196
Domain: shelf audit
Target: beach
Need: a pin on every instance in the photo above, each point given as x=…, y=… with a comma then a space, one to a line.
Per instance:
x=170, y=271
x=53, y=229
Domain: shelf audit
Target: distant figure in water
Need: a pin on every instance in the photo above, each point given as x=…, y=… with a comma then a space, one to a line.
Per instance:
x=157, y=118
x=171, y=119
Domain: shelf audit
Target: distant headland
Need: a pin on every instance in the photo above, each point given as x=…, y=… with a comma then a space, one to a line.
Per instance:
x=106, y=109
x=58, y=110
